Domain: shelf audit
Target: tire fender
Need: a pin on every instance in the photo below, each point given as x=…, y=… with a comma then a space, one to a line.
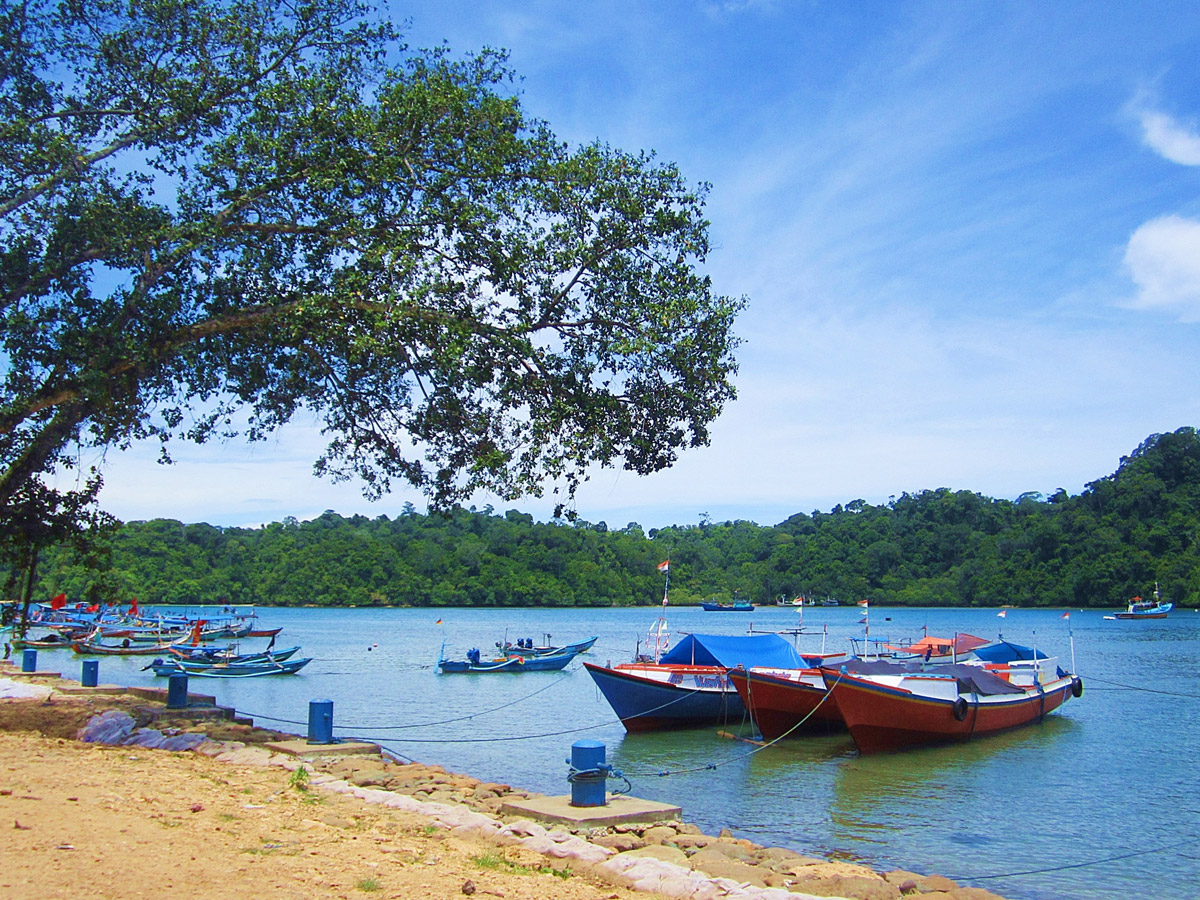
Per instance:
x=960, y=709
x=1077, y=687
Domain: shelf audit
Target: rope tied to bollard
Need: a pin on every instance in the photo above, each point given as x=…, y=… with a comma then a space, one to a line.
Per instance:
x=599, y=773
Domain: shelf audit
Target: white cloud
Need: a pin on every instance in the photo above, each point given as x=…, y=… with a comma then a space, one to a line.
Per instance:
x=1163, y=257
x=1169, y=138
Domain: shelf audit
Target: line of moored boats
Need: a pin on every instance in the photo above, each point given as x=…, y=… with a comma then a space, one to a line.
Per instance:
x=181, y=644
x=932, y=691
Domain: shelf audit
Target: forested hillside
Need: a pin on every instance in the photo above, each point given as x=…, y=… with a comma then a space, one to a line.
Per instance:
x=1117, y=538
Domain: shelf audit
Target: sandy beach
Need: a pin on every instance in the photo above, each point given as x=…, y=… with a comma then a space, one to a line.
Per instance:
x=229, y=818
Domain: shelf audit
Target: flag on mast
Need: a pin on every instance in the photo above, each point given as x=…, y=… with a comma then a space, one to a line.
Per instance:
x=664, y=566
x=1003, y=614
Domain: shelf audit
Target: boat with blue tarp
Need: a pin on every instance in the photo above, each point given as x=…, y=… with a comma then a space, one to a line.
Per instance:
x=688, y=685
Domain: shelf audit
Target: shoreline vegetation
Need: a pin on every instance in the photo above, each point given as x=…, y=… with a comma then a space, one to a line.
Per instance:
x=113, y=794
x=1118, y=538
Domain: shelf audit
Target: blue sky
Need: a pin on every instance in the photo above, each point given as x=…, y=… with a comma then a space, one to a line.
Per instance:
x=969, y=234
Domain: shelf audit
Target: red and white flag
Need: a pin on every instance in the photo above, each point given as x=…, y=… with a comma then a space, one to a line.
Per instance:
x=664, y=566
x=1066, y=615
x=863, y=603
x=1003, y=613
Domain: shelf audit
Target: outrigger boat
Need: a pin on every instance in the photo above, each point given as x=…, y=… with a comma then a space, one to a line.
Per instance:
x=525, y=647
x=248, y=669
x=474, y=663
x=127, y=647
x=226, y=655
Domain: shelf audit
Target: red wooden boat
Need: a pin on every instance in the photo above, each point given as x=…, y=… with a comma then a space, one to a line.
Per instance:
x=786, y=702
x=894, y=706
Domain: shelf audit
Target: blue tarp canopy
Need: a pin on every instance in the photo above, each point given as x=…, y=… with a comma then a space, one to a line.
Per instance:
x=731, y=651
x=1004, y=652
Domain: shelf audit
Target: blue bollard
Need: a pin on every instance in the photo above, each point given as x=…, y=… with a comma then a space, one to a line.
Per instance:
x=320, y=721
x=588, y=774
x=177, y=691
x=91, y=672
x=29, y=661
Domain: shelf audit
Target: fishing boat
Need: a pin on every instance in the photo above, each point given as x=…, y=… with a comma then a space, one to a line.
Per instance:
x=1146, y=609
x=475, y=663
x=526, y=647
x=214, y=655
x=52, y=641
x=787, y=702
x=249, y=669
x=895, y=706
x=127, y=647
x=688, y=685
x=735, y=606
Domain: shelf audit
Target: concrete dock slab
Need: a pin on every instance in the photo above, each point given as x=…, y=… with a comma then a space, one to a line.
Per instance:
x=304, y=750
x=620, y=809
x=73, y=688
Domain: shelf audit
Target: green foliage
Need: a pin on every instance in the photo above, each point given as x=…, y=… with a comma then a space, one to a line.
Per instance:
x=216, y=212
x=936, y=547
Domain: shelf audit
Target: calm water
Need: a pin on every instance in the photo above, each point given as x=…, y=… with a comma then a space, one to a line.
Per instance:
x=1097, y=803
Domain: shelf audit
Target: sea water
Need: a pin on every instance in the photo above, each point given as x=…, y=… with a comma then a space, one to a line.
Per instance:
x=1096, y=803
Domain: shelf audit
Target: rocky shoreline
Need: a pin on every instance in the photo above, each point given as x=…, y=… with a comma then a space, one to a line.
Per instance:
x=670, y=859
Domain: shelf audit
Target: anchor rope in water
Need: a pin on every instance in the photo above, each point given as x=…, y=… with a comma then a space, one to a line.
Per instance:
x=1081, y=865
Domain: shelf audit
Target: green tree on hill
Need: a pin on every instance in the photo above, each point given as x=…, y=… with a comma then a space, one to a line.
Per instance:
x=217, y=209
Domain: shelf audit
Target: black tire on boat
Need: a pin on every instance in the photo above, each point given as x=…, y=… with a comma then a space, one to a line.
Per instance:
x=1077, y=687
x=960, y=709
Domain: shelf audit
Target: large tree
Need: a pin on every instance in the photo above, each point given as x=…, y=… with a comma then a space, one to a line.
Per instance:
x=217, y=211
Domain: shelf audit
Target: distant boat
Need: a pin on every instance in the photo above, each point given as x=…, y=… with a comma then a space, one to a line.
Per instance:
x=735, y=606
x=1146, y=609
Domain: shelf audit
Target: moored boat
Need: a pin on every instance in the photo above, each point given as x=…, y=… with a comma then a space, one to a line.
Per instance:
x=688, y=686
x=526, y=647
x=894, y=706
x=736, y=606
x=475, y=663
x=218, y=655
x=127, y=647
x=250, y=669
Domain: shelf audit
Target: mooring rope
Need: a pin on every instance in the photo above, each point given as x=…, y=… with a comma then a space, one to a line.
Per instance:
x=485, y=712
x=1137, y=687
x=734, y=759
x=525, y=737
